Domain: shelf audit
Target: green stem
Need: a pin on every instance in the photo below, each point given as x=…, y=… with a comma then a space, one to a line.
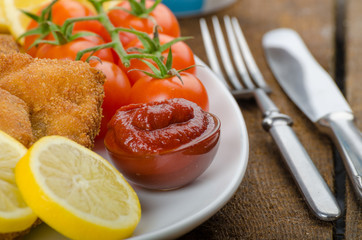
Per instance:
x=104, y=20
x=70, y=21
x=145, y=36
x=157, y=60
x=93, y=49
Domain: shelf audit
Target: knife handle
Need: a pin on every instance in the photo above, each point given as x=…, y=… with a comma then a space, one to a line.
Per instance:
x=347, y=137
x=313, y=187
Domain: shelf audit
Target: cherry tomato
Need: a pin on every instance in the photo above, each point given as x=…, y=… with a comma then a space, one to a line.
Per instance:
x=61, y=11
x=70, y=49
x=65, y=9
x=161, y=14
x=116, y=90
x=182, y=57
x=148, y=89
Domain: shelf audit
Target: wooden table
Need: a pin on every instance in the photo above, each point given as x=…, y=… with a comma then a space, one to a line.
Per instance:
x=267, y=204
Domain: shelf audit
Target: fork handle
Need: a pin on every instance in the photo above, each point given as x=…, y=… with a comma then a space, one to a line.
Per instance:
x=309, y=181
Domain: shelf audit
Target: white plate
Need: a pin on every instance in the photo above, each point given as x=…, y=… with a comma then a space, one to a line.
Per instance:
x=170, y=214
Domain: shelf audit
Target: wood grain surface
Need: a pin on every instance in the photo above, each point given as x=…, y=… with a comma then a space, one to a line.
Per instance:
x=354, y=96
x=267, y=204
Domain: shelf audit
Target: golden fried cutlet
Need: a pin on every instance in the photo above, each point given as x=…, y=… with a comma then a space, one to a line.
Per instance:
x=15, y=118
x=64, y=97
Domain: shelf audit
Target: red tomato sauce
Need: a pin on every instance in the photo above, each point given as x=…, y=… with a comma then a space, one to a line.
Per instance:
x=157, y=127
x=162, y=145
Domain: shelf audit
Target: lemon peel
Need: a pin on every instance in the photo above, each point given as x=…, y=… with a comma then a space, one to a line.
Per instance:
x=76, y=191
x=15, y=215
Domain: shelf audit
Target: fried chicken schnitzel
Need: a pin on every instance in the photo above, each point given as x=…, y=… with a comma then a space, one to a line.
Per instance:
x=63, y=97
x=40, y=97
x=57, y=97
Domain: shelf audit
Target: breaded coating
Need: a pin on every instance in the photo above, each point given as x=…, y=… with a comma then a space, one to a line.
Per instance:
x=7, y=44
x=15, y=118
x=64, y=97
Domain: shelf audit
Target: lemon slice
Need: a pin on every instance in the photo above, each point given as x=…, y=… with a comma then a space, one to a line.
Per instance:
x=76, y=191
x=15, y=215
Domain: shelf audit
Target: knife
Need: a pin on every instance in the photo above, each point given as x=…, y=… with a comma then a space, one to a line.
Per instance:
x=312, y=89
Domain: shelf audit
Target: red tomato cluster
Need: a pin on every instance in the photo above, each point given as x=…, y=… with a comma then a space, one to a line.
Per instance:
x=61, y=11
x=125, y=85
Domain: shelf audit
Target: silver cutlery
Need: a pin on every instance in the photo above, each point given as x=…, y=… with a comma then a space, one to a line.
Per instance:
x=312, y=89
x=251, y=84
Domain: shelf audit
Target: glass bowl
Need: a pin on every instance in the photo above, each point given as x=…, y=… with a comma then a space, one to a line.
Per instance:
x=171, y=169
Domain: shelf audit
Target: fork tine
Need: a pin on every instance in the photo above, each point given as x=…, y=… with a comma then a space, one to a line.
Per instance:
x=249, y=60
x=211, y=55
x=238, y=60
x=225, y=55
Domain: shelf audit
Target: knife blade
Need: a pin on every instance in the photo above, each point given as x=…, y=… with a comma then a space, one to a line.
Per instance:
x=313, y=90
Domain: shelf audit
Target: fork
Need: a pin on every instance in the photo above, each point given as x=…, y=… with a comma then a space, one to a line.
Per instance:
x=250, y=83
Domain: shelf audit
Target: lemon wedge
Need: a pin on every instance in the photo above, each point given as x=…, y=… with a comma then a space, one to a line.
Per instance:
x=76, y=191
x=15, y=215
